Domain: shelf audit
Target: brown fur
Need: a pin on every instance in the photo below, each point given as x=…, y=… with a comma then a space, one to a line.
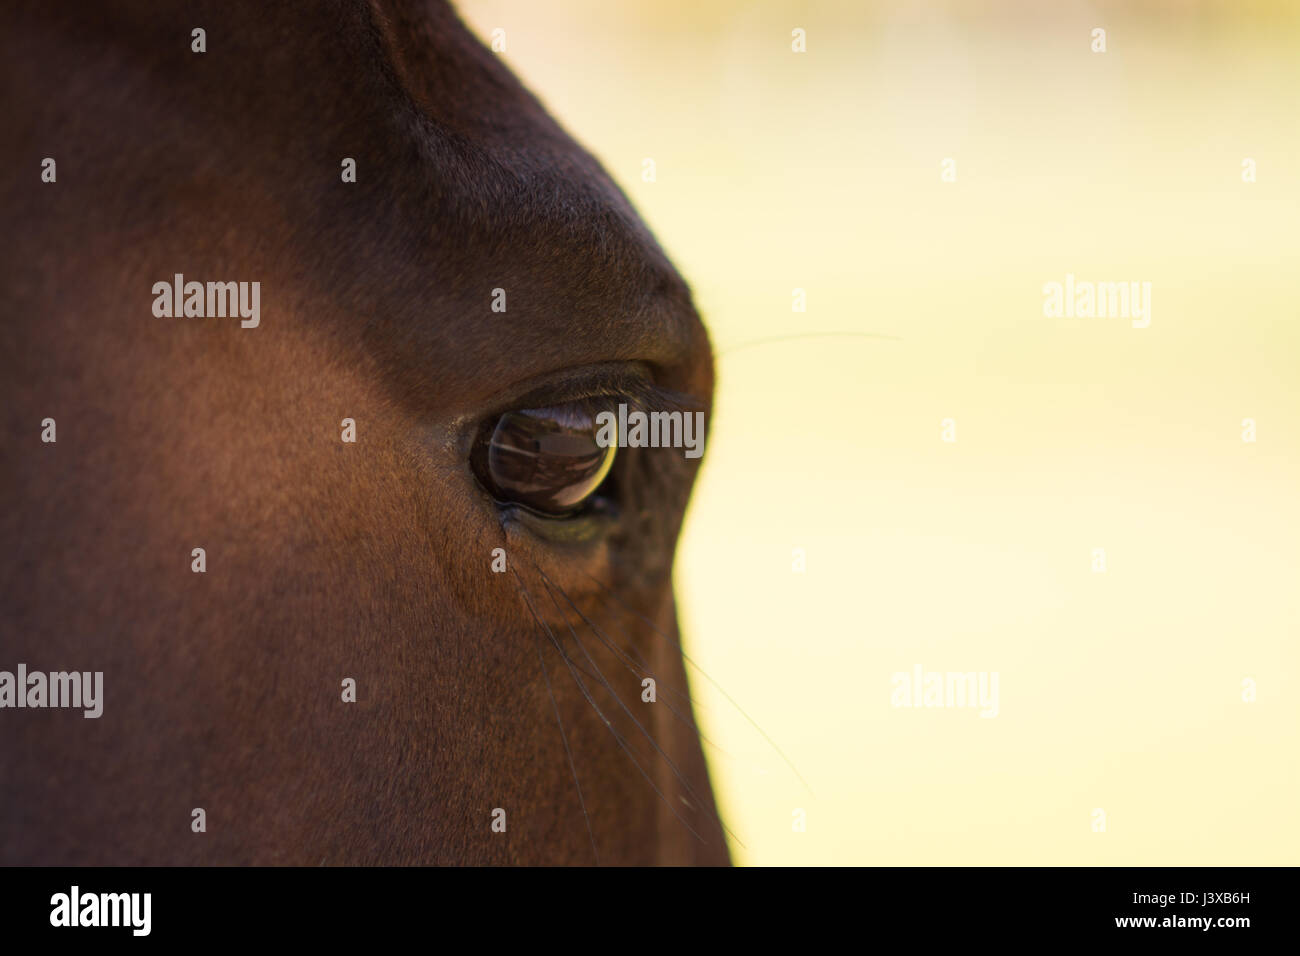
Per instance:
x=325, y=560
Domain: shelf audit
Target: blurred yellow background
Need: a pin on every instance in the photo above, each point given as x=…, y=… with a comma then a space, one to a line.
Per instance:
x=1119, y=690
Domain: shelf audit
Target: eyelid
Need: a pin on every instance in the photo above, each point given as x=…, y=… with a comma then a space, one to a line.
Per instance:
x=643, y=397
x=628, y=382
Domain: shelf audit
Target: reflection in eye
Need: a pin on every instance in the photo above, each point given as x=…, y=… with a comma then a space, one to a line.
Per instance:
x=546, y=459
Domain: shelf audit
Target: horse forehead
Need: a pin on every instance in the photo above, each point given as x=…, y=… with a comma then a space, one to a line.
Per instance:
x=489, y=146
x=515, y=196
x=546, y=238
x=452, y=77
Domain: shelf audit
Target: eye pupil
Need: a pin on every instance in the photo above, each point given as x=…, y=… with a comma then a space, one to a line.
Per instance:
x=547, y=459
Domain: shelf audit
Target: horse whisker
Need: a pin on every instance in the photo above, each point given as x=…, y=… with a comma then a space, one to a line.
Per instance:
x=643, y=671
x=567, y=752
x=687, y=658
x=596, y=707
x=681, y=778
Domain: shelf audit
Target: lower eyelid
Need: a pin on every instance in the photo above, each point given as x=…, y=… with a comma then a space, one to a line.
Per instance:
x=580, y=529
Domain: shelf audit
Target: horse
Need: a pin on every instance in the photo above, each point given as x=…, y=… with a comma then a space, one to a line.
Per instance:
x=360, y=587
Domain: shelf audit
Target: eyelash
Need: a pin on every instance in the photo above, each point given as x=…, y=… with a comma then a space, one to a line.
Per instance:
x=637, y=394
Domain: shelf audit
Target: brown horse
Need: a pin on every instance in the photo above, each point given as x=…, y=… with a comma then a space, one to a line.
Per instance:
x=432, y=643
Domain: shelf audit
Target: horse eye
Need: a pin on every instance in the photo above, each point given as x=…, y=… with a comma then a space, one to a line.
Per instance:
x=546, y=459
